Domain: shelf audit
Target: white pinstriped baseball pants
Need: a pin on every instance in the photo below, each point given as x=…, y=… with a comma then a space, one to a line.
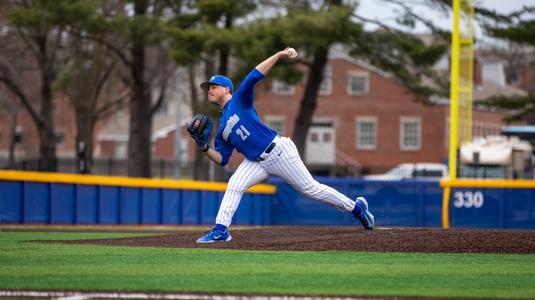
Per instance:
x=283, y=161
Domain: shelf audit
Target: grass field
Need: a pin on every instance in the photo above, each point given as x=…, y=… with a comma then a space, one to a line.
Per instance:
x=102, y=268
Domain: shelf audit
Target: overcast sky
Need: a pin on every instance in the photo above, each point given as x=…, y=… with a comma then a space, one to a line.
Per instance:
x=381, y=10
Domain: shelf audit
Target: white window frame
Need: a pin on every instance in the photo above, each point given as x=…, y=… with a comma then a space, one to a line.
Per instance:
x=120, y=150
x=402, y=122
x=277, y=118
x=361, y=74
x=358, y=122
x=326, y=86
x=283, y=88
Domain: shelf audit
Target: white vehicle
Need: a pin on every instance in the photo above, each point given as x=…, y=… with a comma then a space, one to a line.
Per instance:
x=433, y=171
x=496, y=157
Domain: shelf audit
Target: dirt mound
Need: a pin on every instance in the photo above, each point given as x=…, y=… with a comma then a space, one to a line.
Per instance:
x=327, y=238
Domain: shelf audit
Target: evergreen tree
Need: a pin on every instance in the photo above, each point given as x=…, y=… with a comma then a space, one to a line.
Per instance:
x=314, y=27
x=517, y=27
x=207, y=37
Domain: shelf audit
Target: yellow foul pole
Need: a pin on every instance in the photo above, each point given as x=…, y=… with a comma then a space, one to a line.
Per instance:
x=454, y=110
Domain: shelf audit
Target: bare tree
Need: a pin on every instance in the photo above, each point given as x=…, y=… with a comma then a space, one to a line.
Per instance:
x=38, y=29
x=7, y=104
x=132, y=31
x=83, y=78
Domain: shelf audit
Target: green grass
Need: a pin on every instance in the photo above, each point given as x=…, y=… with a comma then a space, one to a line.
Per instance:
x=85, y=267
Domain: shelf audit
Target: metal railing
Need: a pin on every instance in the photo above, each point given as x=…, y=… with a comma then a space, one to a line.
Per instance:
x=171, y=168
x=109, y=167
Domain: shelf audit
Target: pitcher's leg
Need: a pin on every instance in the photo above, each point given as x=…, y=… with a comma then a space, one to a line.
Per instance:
x=247, y=174
x=292, y=169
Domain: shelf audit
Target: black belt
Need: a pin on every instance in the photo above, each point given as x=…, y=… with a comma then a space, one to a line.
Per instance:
x=268, y=150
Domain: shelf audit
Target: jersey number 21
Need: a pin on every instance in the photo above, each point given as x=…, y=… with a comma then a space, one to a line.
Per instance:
x=243, y=132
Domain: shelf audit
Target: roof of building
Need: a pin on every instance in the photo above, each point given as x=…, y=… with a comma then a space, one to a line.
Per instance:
x=338, y=52
x=519, y=129
x=488, y=89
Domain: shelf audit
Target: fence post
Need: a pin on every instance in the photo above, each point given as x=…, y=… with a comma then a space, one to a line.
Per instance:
x=110, y=166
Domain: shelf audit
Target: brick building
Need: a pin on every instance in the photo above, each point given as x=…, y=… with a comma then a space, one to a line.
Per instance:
x=366, y=117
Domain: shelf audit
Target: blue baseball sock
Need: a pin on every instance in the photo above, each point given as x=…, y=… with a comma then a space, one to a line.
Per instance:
x=220, y=227
x=357, y=210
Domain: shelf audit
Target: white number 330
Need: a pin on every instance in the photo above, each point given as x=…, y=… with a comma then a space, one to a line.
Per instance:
x=468, y=199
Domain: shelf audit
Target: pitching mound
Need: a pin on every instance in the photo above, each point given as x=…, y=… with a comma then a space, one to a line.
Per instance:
x=326, y=238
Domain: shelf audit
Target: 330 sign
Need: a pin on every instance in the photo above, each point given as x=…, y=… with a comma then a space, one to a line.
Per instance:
x=468, y=199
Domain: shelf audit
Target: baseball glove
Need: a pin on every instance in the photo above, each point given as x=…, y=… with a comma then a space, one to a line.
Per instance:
x=200, y=129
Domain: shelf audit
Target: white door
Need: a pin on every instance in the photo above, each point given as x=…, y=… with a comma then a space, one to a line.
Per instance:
x=321, y=144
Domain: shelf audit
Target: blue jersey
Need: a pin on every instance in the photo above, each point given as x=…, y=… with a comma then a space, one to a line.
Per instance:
x=240, y=127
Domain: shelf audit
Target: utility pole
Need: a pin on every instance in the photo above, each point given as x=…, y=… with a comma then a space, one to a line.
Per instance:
x=178, y=104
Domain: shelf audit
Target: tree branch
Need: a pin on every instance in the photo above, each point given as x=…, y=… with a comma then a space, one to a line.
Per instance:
x=117, y=51
x=429, y=24
x=28, y=43
x=11, y=85
x=376, y=22
x=161, y=97
x=101, y=82
x=54, y=51
x=110, y=107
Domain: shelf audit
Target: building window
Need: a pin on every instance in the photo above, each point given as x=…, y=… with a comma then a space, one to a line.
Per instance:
x=357, y=83
x=327, y=137
x=410, y=133
x=60, y=138
x=277, y=123
x=326, y=85
x=4, y=30
x=19, y=135
x=483, y=129
x=366, y=133
x=282, y=88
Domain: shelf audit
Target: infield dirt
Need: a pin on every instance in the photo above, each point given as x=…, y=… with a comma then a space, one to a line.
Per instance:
x=328, y=238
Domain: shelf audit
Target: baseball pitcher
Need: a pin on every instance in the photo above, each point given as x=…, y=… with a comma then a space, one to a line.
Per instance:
x=265, y=152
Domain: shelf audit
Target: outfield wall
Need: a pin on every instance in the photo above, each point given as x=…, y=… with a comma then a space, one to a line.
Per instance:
x=51, y=198
x=504, y=204
x=394, y=203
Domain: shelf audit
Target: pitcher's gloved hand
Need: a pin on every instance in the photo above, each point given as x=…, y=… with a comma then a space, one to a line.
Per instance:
x=200, y=129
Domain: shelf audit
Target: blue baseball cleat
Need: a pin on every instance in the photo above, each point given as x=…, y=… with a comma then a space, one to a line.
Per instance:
x=362, y=213
x=215, y=235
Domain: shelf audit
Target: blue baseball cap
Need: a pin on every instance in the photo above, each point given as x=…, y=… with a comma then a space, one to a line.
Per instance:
x=218, y=80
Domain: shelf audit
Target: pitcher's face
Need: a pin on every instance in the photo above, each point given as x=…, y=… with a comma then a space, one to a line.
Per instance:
x=216, y=93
